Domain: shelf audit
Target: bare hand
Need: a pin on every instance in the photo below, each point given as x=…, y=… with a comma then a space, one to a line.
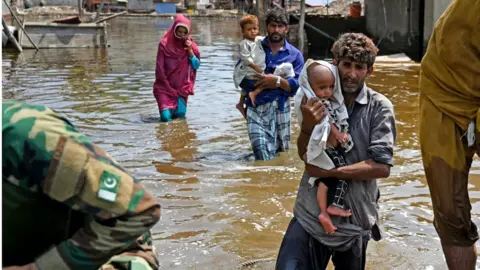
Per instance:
x=342, y=138
x=188, y=44
x=258, y=70
x=268, y=81
x=313, y=112
x=332, y=140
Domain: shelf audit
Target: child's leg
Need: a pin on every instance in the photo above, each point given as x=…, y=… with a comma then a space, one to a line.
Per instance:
x=338, y=204
x=324, y=217
x=246, y=85
x=241, y=104
x=243, y=95
x=253, y=95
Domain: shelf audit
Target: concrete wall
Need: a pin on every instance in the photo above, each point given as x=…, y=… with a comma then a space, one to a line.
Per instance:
x=433, y=10
x=5, y=11
x=439, y=7
x=385, y=17
x=319, y=46
x=395, y=26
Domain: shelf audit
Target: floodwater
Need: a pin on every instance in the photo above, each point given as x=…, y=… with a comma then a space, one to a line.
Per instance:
x=219, y=208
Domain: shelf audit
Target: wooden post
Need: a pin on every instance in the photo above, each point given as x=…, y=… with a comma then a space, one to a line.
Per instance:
x=20, y=24
x=80, y=9
x=301, y=26
x=110, y=17
x=261, y=9
x=10, y=36
x=99, y=10
x=310, y=26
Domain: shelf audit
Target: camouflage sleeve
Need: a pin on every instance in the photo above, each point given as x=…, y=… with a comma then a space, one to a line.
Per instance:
x=67, y=167
x=141, y=255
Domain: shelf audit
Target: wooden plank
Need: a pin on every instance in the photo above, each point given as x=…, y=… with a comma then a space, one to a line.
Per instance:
x=63, y=25
x=110, y=17
x=55, y=46
x=99, y=10
x=68, y=20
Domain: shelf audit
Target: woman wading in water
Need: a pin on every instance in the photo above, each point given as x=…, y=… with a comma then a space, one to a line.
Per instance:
x=177, y=63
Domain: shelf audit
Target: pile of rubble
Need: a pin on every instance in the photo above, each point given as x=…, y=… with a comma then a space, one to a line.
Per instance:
x=38, y=10
x=337, y=7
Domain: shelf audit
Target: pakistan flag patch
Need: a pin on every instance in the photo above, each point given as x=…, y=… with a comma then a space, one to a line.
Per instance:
x=109, y=184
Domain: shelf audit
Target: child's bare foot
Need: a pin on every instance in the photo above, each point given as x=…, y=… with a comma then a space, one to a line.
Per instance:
x=242, y=110
x=335, y=211
x=327, y=223
x=252, y=96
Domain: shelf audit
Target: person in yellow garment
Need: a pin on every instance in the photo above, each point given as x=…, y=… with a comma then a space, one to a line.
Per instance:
x=66, y=204
x=449, y=124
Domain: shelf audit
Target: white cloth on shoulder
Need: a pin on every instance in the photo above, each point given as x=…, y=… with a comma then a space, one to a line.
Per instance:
x=284, y=70
x=316, y=154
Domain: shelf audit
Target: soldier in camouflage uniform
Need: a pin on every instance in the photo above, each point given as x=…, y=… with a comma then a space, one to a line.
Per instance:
x=66, y=203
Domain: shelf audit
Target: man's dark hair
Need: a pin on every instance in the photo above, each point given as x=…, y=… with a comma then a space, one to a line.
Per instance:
x=278, y=15
x=355, y=47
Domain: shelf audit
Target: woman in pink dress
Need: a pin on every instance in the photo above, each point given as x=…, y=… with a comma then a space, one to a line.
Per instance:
x=177, y=63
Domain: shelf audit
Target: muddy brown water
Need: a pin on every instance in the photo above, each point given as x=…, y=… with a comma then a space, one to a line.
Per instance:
x=219, y=207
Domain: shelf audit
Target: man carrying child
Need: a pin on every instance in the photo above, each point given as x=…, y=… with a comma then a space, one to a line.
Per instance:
x=268, y=106
x=330, y=139
x=306, y=244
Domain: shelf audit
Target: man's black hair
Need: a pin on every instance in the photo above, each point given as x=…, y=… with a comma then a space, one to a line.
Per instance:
x=278, y=15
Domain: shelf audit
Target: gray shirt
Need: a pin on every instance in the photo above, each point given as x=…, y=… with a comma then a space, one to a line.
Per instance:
x=372, y=127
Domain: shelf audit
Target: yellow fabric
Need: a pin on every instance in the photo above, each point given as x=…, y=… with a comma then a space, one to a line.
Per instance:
x=450, y=69
x=446, y=160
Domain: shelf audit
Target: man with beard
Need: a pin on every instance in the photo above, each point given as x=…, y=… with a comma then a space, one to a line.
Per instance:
x=269, y=119
x=371, y=119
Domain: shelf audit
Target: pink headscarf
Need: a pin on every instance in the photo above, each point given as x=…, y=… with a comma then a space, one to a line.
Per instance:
x=174, y=75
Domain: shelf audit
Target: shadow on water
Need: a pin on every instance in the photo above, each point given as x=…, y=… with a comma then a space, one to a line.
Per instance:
x=219, y=206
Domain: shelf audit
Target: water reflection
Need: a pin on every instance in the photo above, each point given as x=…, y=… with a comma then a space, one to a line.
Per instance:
x=219, y=208
x=177, y=139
